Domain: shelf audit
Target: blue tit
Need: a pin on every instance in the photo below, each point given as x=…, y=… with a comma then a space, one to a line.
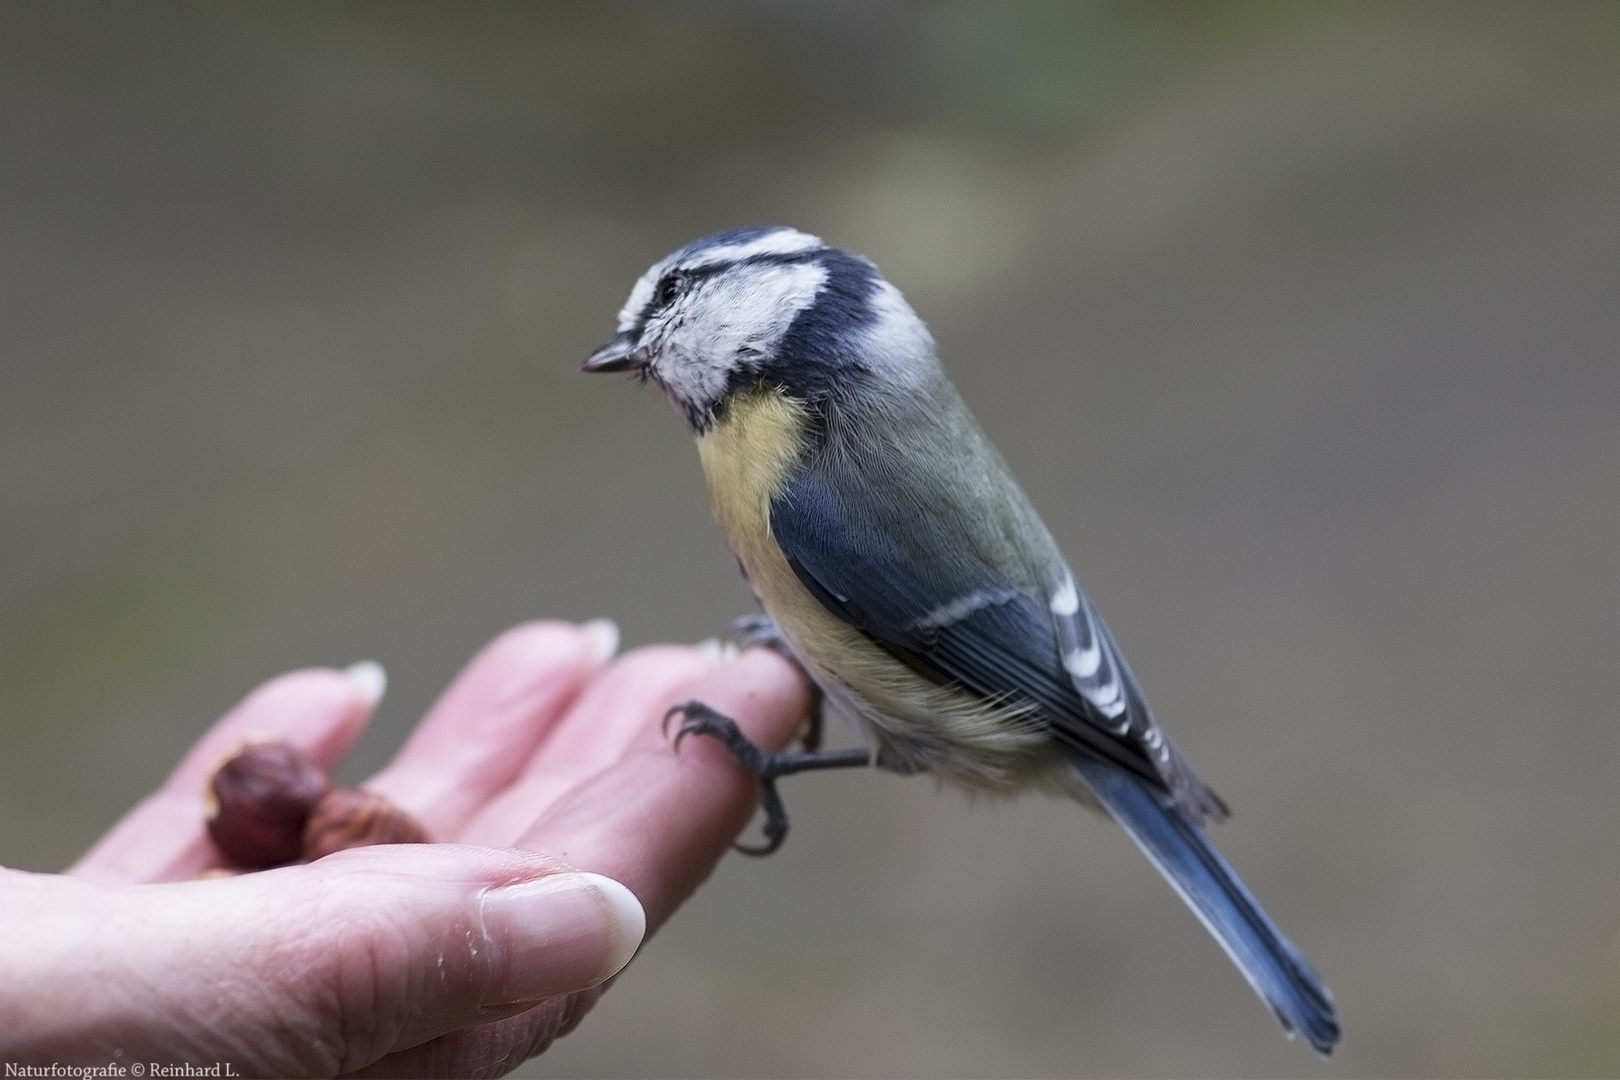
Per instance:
x=904, y=568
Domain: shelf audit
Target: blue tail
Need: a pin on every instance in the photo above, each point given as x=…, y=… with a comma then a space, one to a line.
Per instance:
x=1282, y=977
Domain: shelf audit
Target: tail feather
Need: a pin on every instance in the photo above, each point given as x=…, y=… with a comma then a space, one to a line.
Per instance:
x=1282, y=977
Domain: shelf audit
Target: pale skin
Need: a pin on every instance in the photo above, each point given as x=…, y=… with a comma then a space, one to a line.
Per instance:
x=440, y=959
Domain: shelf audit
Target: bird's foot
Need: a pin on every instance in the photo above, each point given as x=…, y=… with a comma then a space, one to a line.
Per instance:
x=747, y=631
x=698, y=719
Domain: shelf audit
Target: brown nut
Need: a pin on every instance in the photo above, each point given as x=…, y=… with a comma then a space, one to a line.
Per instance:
x=262, y=798
x=353, y=817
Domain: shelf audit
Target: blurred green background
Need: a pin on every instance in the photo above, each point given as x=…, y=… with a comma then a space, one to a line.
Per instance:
x=1298, y=320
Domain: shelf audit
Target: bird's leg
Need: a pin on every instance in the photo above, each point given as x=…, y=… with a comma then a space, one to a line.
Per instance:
x=749, y=630
x=698, y=719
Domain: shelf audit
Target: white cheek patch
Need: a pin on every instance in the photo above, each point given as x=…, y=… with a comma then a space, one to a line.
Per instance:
x=729, y=321
x=752, y=310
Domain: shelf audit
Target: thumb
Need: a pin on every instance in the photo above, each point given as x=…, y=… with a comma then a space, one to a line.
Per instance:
x=304, y=971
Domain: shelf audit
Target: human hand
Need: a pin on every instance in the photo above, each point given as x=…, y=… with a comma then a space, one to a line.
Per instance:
x=437, y=959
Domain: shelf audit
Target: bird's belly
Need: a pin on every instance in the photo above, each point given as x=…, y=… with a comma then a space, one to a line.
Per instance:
x=912, y=724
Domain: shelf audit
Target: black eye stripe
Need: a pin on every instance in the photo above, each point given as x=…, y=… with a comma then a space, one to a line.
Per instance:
x=674, y=282
x=670, y=286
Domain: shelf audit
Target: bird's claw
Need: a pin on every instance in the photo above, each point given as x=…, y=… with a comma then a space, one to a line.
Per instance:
x=775, y=829
x=699, y=719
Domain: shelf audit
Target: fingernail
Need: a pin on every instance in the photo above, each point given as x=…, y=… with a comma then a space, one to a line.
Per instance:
x=558, y=934
x=604, y=638
x=629, y=918
x=369, y=678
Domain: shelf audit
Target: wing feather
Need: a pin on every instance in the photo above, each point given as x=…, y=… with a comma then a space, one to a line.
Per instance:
x=961, y=620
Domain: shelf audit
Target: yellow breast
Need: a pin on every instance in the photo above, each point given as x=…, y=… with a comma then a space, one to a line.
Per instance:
x=747, y=458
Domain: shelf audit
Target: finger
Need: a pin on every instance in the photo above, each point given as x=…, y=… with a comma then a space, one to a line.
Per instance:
x=662, y=820
x=659, y=820
x=307, y=970
x=478, y=736
x=627, y=696
x=164, y=838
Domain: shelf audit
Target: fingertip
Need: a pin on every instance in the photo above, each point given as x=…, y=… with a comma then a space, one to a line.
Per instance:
x=545, y=927
x=774, y=666
x=770, y=692
x=369, y=678
x=602, y=636
x=764, y=693
x=626, y=916
x=559, y=933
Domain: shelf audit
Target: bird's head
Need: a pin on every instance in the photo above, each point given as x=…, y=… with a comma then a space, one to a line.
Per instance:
x=769, y=305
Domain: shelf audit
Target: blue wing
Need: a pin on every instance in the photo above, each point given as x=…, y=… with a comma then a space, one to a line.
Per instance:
x=947, y=612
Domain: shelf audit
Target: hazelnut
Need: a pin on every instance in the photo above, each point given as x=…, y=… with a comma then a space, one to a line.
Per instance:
x=354, y=817
x=262, y=798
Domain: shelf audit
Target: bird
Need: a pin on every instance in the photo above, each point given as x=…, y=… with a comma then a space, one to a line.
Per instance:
x=902, y=567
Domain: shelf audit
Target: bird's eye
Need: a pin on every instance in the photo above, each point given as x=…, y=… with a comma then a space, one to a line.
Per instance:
x=668, y=286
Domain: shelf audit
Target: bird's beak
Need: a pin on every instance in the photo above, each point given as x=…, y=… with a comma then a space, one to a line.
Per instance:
x=619, y=354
